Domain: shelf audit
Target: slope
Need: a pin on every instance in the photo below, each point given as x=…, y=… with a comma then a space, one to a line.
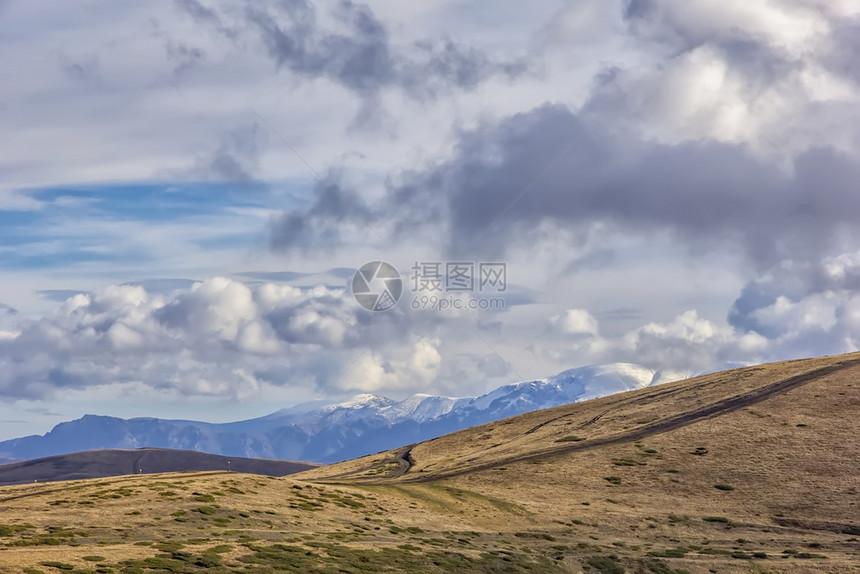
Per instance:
x=752, y=470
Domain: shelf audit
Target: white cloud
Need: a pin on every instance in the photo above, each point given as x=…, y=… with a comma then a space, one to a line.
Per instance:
x=575, y=322
x=208, y=339
x=412, y=369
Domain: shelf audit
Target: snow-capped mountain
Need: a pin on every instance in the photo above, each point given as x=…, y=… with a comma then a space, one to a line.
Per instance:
x=327, y=432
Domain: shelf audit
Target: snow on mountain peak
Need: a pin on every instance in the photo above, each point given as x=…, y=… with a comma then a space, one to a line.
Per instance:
x=364, y=400
x=421, y=408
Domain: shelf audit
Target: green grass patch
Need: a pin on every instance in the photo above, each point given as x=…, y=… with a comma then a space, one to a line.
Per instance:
x=11, y=529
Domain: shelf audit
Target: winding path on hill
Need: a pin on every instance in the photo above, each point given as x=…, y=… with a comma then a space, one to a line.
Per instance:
x=722, y=407
x=402, y=458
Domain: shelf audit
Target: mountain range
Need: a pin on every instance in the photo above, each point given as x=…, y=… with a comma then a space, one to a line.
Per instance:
x=326, y=432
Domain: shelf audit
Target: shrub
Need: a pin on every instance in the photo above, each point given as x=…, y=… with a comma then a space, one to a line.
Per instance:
x=57, y=565
x=627, y=462
x=678, y=552
x=605, y=565
x=571, y=438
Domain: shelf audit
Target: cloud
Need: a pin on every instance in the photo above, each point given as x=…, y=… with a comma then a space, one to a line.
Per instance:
x=214, y=338
x=806, y=308
x=693, y=141
x=235, y=159
x=710, y=195
x=199, y=12
x=352, y=48
x=322, y=225
x=734, y=71
x=184, y=56
x=695, y=144
x=575, y=323
x=655, y=128
x=415, y=367
x=224, y=338
x=794, y=309
x=688, y=343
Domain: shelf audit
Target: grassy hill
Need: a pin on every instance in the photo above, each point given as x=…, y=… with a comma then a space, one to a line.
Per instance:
x=116, y=462
x=751, y=470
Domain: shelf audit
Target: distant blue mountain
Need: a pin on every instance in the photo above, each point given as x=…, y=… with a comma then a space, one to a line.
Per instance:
x=330, y=432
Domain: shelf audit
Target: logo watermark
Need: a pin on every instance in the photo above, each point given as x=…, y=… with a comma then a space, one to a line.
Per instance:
x=436, y=285
x=377, y=286
x=434, y=303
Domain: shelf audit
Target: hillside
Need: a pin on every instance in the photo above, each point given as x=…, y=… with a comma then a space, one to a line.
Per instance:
x=751, y=470
x=106, y=463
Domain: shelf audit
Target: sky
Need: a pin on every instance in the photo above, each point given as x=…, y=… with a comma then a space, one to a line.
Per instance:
x=187, y=188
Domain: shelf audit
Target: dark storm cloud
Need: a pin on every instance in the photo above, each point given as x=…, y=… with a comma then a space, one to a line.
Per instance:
x=760, y=63
x=359, y=59
x=320, y=225
x=843, y=56
x=199, y=12
x=359, y=55
x=235, y=159
x=551, y=165
x=183, y=56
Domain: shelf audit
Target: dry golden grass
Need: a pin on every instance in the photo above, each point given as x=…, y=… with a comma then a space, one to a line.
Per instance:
x=752, y=470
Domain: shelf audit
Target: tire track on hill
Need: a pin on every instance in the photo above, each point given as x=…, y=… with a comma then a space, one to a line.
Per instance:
x=706, y=412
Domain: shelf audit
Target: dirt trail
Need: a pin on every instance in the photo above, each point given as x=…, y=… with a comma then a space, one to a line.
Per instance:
x=402, y=458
